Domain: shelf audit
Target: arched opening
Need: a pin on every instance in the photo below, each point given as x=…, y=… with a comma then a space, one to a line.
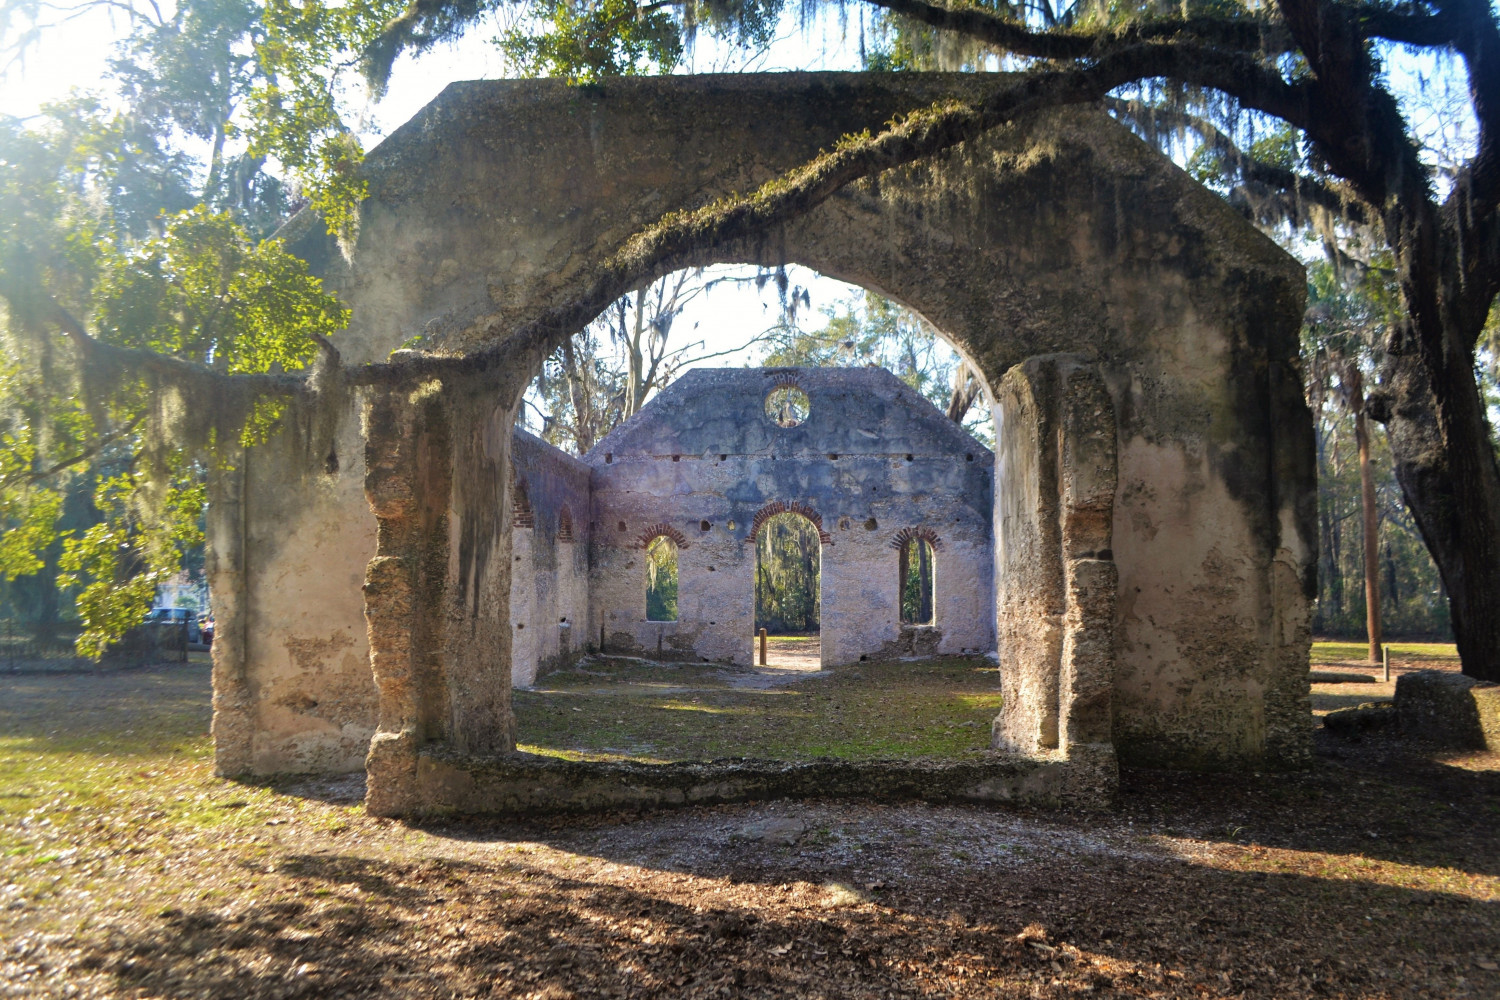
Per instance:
x=917, y=573
x=661, y=579
x=788, y=593
x=1015, y=264
x=757, y=491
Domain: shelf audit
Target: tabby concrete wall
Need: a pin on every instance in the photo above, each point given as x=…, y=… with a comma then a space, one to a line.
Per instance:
x=549, y=605
x=293, y=690
x=1061, y=232
x=872, y=463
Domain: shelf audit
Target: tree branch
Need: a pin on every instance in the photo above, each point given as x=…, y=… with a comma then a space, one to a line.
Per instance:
x=177, y=370
x=1244, y=33
x=1301, y=188
x=87, y=453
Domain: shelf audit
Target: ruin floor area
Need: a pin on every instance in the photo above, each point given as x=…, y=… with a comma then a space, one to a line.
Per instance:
x=128, y=870
x=623, y=709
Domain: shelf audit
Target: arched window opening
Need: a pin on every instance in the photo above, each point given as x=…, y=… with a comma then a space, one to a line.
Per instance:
x=565, y=525
x=661, y=579
x=917, y=572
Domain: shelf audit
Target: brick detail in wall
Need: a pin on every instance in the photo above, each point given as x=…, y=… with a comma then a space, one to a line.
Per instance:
x=657, y=530
x=565, y=525
x=521, y=515
x=925, y=533
x=775, y=507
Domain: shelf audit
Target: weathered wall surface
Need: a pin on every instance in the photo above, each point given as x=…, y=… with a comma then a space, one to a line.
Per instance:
x=549, y=612
x=1060, y=233
x=1055, y=479
x=704, y=463
x=293, y=690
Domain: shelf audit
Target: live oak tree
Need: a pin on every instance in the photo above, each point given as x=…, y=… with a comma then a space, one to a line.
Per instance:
x=136, y=295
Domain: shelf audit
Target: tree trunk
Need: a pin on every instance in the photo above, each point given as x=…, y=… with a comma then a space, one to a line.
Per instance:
x=965, y=392
x=924, y=583
x=1371, y=518
x=1445, y=464
x=583, y=417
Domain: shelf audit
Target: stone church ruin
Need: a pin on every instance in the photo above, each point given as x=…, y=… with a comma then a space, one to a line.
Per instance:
x=1148, y=528
x=871, y=464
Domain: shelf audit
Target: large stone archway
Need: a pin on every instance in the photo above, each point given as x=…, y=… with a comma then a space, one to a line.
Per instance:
x=1059, y=235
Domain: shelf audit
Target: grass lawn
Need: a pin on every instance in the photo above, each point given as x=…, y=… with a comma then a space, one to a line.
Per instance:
x=127, y=870
x=1411, y=652
x=609, y=709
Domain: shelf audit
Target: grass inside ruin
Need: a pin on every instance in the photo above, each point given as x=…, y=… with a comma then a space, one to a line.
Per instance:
x=609, y=709
x=1349, y=658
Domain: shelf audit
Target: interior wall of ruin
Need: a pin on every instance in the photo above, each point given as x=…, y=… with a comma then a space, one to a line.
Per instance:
x=549, y=592
x=1056, y=468
x=872, y=463
x=293, y=690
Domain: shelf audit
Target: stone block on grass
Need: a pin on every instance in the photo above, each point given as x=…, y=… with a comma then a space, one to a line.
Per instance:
x=1449, y=709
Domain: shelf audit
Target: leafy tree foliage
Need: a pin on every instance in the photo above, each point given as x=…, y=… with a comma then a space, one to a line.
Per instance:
x=788, y=552
x=661, y=580
x=126, y=295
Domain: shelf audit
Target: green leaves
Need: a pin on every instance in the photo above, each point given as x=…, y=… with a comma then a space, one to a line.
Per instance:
x=204, y=291
x=30, y=516
x=587, y=42
x=90, y=256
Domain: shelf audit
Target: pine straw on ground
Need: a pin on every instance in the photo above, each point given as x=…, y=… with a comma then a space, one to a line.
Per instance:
x=128, y=870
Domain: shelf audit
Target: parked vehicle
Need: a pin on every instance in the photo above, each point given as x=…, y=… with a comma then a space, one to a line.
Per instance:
x=177, y=616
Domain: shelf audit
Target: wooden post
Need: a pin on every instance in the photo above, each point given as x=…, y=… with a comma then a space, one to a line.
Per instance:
x=762, y=647
x=1385, y=659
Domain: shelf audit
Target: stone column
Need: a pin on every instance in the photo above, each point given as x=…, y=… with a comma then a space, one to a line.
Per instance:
x=1056, y=580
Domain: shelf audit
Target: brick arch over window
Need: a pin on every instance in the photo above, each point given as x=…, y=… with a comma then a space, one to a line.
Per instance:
x=565, y=524
x=923, y=532
x=775, y=507
x=521, y=515
x=658, y=530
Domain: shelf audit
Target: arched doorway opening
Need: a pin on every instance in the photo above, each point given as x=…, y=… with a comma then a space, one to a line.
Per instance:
x=788, y=593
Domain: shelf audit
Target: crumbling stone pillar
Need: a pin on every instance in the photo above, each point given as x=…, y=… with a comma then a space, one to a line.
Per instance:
x=393, y=581
x=476, y=645
x=437, y=591
x=234, y=710
x=1055, y=577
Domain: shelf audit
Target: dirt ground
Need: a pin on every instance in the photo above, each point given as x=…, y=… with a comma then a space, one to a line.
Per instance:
x=127, y=870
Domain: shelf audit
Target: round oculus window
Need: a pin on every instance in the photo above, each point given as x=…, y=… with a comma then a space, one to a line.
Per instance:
x=787, y=406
